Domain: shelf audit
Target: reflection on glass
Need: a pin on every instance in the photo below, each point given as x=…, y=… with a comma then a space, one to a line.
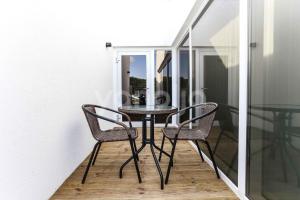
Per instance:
x=184, y=73
x=163, y=81
x=134, y=81
x=216, y=78
x=274, y=104
x=184, y=78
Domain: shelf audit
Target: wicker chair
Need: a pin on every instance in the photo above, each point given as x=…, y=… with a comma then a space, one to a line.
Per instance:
x=122, y=133
x=201, y=126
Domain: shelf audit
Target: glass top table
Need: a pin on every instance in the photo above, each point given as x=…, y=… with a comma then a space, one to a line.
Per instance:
x=151, y=111
x=148, y=110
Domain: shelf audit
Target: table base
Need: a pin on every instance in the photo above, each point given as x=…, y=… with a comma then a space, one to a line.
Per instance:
x=152, y=144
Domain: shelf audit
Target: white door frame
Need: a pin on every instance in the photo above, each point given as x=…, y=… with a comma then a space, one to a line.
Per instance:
x=150, y=54
x=118, y=78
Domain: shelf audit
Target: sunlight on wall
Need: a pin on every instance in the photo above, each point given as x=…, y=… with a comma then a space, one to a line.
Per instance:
x=226, y=42
x=160, y=55
x=268, y=27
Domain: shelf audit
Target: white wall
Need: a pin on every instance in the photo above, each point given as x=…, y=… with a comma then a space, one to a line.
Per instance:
x=147, y=22
x=52, y=60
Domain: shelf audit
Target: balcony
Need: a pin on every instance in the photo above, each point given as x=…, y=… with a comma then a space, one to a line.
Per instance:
x=155, y=56
x=190, y=179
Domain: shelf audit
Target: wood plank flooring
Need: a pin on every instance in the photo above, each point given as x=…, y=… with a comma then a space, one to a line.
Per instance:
x=189, y=178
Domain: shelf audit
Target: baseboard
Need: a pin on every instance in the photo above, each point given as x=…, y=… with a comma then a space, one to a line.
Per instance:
x=227, y=181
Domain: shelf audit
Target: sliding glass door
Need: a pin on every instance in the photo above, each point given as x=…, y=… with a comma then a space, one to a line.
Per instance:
x=144, y=78
x=184, y=78
x=208, y=66
x=163, y=81
x=134, y=68
x=274, y=101
x=215, y=78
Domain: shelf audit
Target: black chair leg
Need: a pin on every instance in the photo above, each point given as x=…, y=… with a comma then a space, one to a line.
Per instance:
x=161, y=148
x=199, y=150
x=212, y=158
x=90, y=162
x=134, y=154
x=171, y=161
x=135, y=149
x=96, y=154
x=172, y=143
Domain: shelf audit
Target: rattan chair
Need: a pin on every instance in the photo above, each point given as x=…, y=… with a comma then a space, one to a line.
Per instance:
x=201, y=126
x=122, y=133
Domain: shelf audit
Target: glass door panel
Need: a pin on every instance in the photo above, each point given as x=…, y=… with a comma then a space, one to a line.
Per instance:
x=274, y=101
x=215, y=38
x=163, y=81
x=134, y=82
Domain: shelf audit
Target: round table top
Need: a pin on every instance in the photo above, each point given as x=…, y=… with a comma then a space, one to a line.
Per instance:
x=148, y=109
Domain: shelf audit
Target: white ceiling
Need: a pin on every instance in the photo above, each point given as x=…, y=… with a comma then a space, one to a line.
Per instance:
x=145, y=22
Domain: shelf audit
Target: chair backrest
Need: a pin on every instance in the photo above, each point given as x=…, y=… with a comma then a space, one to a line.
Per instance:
x=89, y=110
x=204, y=124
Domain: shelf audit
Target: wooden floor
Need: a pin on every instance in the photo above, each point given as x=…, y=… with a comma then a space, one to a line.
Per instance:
x=189, y=178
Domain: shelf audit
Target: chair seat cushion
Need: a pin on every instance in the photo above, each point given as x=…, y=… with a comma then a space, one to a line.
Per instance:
x=116, y=134
x=184, y=134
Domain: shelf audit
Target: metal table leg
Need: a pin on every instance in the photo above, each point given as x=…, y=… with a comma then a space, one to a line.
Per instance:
x=158, y=168
x=146, y=141
x=153, y=153
x=159, y=149
x=129, y=159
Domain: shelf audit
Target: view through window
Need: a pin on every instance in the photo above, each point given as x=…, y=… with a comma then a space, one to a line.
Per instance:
x=134, y=82
x=163, y=81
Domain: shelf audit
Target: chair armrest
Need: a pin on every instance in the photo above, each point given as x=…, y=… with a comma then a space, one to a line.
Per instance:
x=175, y=113
x=127, y=116
x=181, y=125
x=115, y=111
x=167, y=119
x=115, y=122
x=197, y=118
x=109, y=119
